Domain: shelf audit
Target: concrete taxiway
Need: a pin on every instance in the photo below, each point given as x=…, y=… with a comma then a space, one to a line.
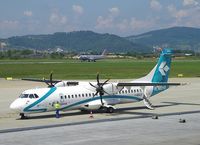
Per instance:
x=131, y=123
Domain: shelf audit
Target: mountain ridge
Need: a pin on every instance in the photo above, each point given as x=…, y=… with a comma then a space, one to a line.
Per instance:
x=182, y=38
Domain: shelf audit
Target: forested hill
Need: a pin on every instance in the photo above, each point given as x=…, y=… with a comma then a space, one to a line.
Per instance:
x=78, y=41
x=175, y=37
x=182, y=38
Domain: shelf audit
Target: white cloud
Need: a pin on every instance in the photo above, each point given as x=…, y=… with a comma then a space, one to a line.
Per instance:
x=187, y=16
x=190, y=3
x=9, y=24
x=78, y=9
x=104, y=22
x=109, y=20
x=178, y=14
x=57, y=19
x=155, y=5
x=112, y=23
x=28, y=13
x=114, y=11
x=123, y=25
x=137, y=24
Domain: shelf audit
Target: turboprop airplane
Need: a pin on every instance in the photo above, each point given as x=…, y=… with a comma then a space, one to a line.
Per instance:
x=95, y=95
x=92, y=57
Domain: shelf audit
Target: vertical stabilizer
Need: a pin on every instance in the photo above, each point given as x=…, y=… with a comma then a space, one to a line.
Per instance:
x=162, y=69
x=160, y=72
x=104, y=52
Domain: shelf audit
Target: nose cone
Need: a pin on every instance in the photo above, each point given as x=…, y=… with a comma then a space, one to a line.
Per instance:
x=17, y=105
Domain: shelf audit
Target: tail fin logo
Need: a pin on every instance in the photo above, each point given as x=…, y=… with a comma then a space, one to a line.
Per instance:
x=164, y=68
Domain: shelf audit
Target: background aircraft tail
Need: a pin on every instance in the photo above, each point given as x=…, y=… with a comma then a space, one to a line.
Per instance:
x=104, y=52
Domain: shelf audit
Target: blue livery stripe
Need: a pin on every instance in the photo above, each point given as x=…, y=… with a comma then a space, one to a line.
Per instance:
x=104, y=97
x=27, y=109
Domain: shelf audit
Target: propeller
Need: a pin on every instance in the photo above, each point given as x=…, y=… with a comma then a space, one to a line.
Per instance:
x=50, y=82
x=99, y=88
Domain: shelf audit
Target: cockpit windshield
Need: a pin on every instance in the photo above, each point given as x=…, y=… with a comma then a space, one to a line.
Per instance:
x=31, y=96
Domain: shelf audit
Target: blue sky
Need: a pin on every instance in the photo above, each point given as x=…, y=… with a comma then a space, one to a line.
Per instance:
x=121, y=17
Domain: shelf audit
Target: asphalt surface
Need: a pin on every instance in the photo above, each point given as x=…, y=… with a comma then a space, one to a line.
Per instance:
x=165, y=131
x=130, y=124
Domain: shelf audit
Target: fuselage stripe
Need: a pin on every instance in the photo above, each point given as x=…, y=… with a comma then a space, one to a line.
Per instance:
x=40, y=100
x=104, y=97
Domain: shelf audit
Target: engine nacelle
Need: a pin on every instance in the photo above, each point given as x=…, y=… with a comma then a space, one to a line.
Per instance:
x=111, y=88
x=94, y=105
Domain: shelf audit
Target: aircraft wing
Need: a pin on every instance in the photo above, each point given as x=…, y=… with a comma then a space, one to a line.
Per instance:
x=147, y=84
x=40, y=80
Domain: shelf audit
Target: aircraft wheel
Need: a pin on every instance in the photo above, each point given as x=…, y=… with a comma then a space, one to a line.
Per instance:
x=110, y=110
x=23, y=116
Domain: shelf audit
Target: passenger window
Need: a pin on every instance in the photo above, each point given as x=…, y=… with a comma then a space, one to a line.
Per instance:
x=126, y=91
x=65, y=97
x=82, y=95
x=61, y=97
x=131, y=91
x=85, y=95
x=72, y=96
x=76, y=96
x=69, y=96
x=79, y=95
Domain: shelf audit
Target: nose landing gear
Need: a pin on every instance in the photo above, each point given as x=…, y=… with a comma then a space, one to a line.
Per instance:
x=23, y=116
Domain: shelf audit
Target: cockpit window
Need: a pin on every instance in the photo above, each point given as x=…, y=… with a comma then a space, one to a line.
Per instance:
x=31, y=96
x=23, y=96
x=36, y=96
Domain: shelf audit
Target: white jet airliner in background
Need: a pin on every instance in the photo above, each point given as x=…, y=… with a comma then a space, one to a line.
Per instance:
x=96, y=95
x=92, y=57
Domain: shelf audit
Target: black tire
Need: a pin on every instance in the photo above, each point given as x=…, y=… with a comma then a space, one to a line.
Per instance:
x=110, y=110
x=23, y=116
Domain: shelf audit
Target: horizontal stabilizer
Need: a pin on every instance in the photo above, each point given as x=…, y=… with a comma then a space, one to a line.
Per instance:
x=148, y=84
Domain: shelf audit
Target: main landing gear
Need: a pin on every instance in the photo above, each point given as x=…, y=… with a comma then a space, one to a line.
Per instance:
x=108, y=109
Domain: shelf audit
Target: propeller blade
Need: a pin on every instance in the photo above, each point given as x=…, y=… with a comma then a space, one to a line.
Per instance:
x=105, y=82
x=95, y=93
x=106, y=92
x=98, y=79
x=46, y=82
x=51, y=82
x=92, y=85
x=101, y=99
